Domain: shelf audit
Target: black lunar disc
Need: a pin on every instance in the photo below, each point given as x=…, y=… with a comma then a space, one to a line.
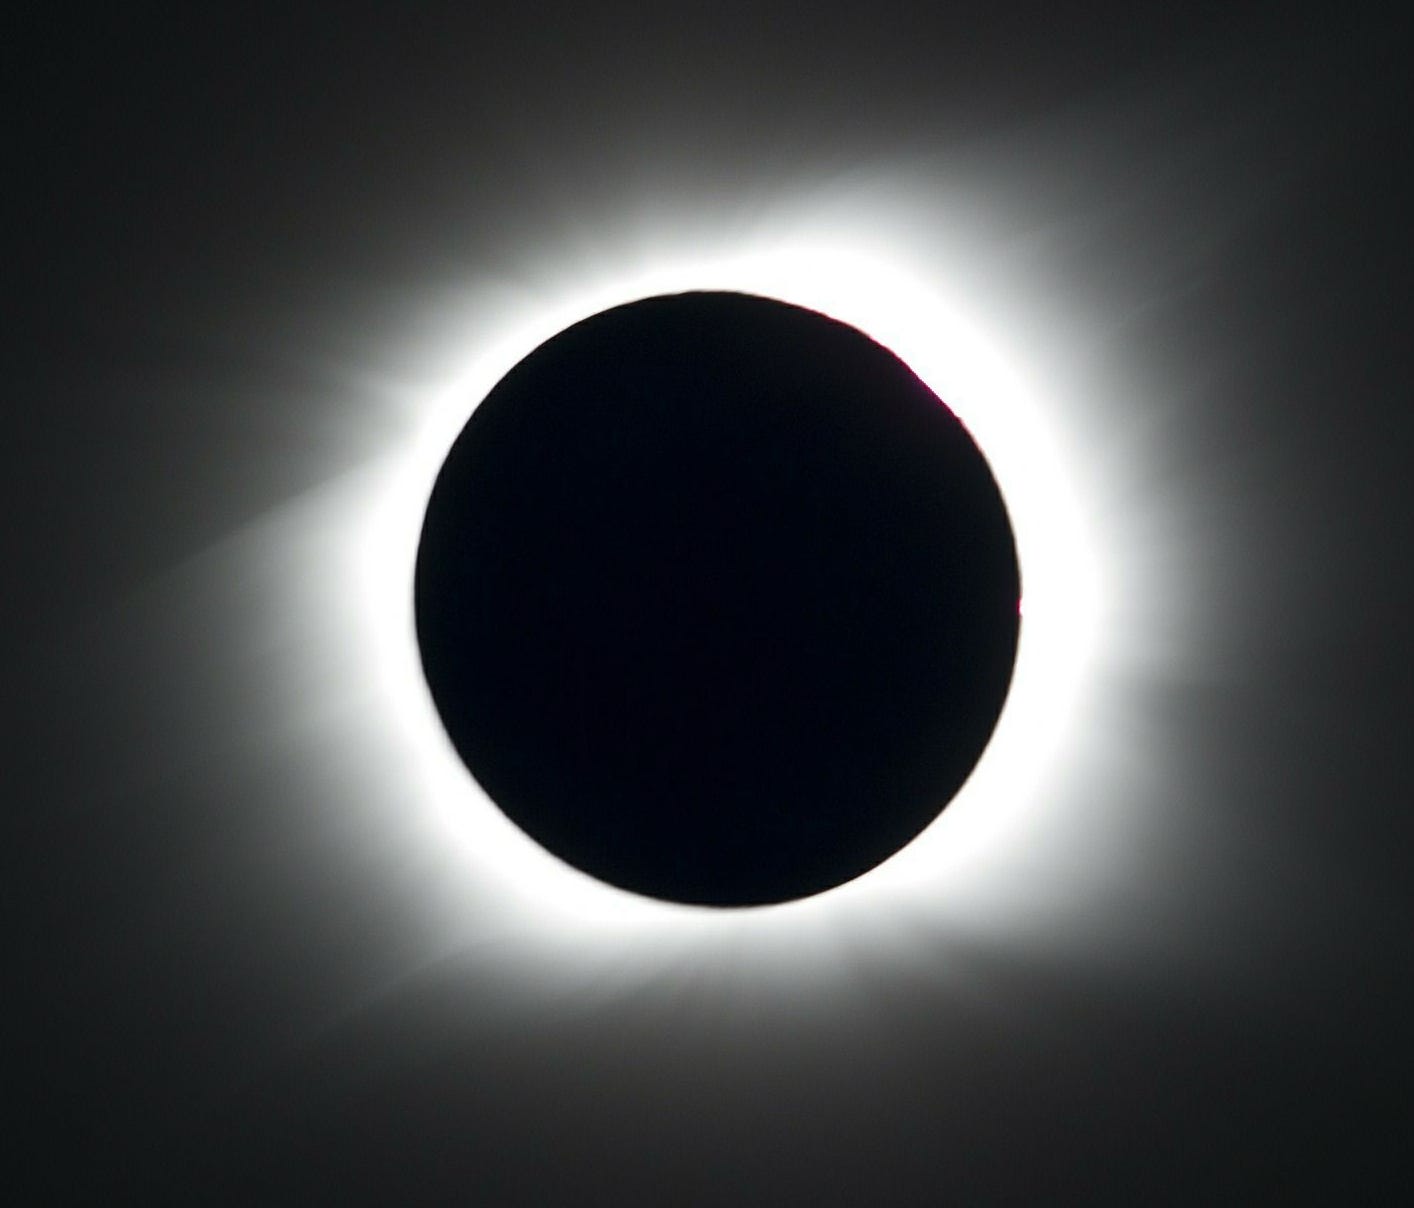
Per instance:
x=716, y=600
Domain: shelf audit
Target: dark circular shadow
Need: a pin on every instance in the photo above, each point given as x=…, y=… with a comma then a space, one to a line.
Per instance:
x=716, y=600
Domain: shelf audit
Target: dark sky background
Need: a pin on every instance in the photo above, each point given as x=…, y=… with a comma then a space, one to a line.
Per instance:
x=241, y=248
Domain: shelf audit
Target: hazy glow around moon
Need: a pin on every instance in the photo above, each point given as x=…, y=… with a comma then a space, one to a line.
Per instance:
x=862, y=283
x=1065, y=799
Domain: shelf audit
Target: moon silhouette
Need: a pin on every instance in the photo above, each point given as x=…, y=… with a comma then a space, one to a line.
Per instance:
x=716, y=600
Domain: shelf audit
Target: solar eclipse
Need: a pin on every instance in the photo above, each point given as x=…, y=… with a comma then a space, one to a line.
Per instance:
x=716, y=599
x=281, y=935
x=848, y=279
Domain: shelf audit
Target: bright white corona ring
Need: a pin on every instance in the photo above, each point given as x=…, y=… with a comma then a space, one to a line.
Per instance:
x=985, y=385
